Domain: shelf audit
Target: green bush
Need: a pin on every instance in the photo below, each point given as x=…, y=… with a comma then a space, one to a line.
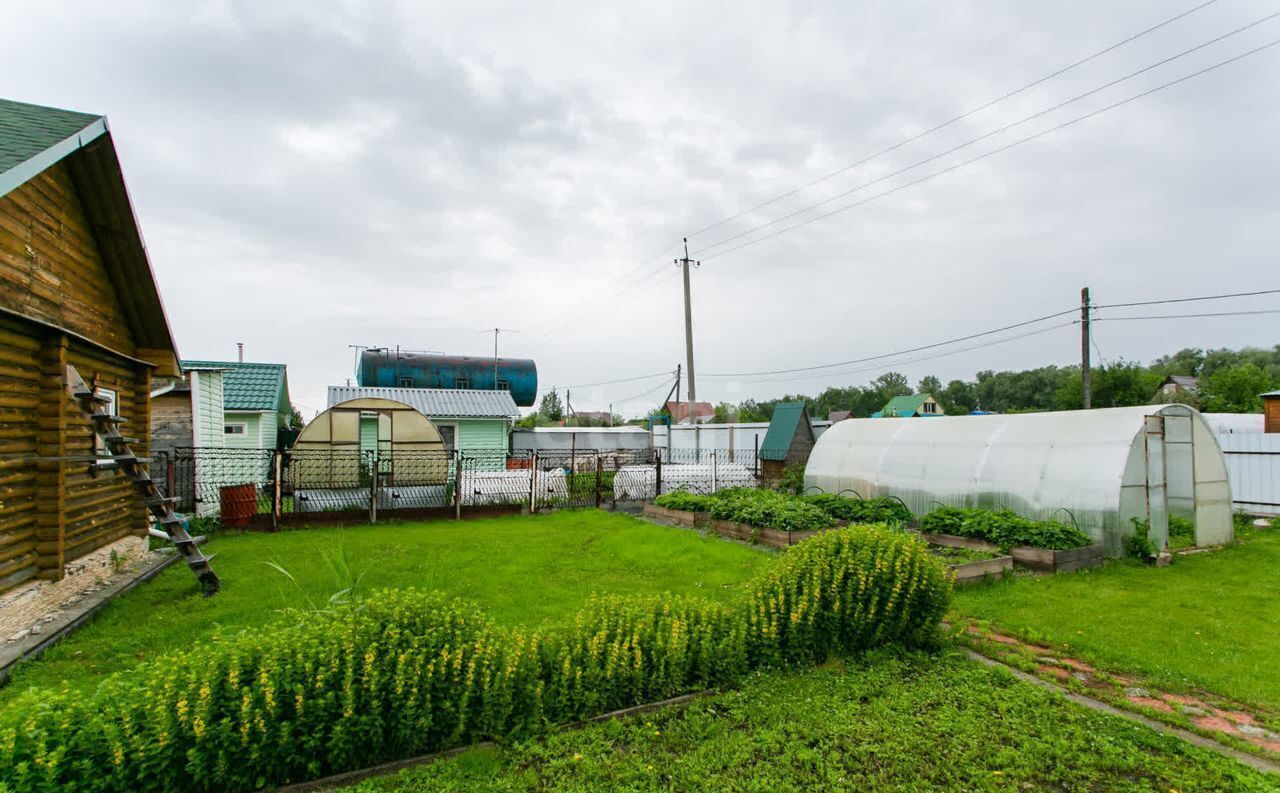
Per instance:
x=686, y=501
x=768, y=509
x=869, y=510
x=1004, y=527
x=406, y=672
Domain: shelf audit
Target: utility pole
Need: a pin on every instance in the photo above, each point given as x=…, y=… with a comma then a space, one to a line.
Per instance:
x=688, y=323
x=1086, y=373
x=495, y=332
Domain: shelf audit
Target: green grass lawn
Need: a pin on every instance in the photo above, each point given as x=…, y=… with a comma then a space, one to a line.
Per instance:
x=528, y=570
x=913, y=722
x=1208, y=621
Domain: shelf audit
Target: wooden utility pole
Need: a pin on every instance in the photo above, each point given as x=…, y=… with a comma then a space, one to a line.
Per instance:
x=1086, y=372
x=688, y=324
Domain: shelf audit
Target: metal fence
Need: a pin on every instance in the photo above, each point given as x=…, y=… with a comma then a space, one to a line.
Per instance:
x=263, y=487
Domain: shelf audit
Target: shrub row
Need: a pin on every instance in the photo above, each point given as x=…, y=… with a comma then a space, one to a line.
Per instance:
x=406, y=672
x=1004, y=527
x=774, y=510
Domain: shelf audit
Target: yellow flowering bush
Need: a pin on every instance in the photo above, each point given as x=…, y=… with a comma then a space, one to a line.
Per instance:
x=406, y=672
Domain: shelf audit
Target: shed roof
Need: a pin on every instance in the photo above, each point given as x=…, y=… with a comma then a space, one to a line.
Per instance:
x=904, y=405
x=782, y=430
x=249, y=386
x=34, y=138
x=436, y=402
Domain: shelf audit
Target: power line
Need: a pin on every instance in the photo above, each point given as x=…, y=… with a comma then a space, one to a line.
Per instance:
x=987, y=135
x=1191, y=299
x=999, y=150
x=970, y=348
x=624, y=380
x=956, y=119
x=901, y=352
x=1192, y=316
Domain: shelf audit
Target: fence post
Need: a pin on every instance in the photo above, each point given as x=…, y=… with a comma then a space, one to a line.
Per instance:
x=373, y=488
x=277, y=490
x=457, y=484
x=657, y=471
x=597, y=480
x=533, y=483
x=714, y=484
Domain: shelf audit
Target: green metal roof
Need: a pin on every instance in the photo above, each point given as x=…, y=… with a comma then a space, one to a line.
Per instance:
x=903, y=405
x=29, y=130
x=782, y=429
x=249, y=386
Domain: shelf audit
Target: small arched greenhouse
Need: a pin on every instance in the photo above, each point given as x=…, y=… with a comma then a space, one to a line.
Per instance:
x=1100, y=469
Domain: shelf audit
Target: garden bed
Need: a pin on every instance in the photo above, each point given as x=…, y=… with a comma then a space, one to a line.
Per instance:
x=678, y=517
x=774, y=538
x=1041, y=559
x=971, y=565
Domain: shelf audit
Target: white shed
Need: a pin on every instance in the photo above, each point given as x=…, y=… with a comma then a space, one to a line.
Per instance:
x=1100, y=468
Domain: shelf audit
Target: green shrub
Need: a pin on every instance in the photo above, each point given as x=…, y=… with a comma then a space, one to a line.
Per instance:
x=869, y=510
x=792, y=480
x=1004, y=527
x=686, y=501
x=768, y=509
x=406, y=672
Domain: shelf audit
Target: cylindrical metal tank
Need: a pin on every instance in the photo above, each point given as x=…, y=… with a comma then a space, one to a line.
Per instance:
x=393, y=369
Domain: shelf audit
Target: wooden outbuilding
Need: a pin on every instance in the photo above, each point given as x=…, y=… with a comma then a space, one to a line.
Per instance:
x=76, y=294
x=789, y=440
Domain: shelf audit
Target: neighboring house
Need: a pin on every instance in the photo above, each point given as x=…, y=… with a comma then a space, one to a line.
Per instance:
x=76, y=289
x=910, y=406
x=255, y=401
x=599, y=418
x=468, y=420
x=187, y=413
x=839, y=415
x=789, y=440
x=703, y=412
x=1178, y=388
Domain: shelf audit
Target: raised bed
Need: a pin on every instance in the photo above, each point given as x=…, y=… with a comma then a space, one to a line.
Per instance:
x=981, y=570
x=678, y=517
x=1057, y=561
x=1042, y=559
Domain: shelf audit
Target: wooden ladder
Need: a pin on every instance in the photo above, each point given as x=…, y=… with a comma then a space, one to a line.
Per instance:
x=173, y=526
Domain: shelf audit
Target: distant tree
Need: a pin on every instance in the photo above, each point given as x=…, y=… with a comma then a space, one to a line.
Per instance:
x=892, y=384
x=726, y=413
x=958, y=397
x=1236, y=390
x=1185, y=362
x=294, y=420
x=929, y=385
x=550, y=407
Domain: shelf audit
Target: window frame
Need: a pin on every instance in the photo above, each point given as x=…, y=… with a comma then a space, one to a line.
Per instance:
x=242, y=425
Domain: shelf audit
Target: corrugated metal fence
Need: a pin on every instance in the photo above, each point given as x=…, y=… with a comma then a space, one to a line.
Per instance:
x=1253, y=468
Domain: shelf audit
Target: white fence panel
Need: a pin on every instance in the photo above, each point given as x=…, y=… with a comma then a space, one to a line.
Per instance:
x=1253, y=467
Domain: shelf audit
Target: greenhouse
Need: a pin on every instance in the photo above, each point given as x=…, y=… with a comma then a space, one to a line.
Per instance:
x=1102, y=470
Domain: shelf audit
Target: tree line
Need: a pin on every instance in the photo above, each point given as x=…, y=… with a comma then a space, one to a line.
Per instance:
x=1229, y=381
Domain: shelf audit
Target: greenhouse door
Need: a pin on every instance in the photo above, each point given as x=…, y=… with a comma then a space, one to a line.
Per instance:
x=1157, y=483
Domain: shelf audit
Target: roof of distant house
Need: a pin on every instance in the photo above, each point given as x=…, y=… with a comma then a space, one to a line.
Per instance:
x=904, y=405
x=839, y=415
x=680, y=410
x=1186, y=382
x=436, y=402
x=249, y=386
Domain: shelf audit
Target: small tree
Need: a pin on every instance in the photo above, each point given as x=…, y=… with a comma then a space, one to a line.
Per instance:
x=1235, y=390
x=550, y=407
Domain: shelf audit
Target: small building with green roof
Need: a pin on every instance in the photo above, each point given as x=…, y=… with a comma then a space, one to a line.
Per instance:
x=255, y=401
x=910, y=406
x=788, y=441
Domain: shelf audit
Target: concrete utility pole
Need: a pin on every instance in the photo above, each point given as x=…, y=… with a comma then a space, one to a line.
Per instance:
x=1086, y=372
x=688, y=324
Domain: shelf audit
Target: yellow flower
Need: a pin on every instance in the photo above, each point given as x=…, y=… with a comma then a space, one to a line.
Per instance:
x=577, y=757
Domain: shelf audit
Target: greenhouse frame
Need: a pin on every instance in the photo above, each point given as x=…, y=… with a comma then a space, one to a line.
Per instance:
x=1099, y=469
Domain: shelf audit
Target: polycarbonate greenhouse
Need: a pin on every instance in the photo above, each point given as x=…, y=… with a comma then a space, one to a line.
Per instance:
x=1097, y=468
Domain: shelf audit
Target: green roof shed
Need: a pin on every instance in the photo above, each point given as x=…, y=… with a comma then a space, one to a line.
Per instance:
x=790, y=436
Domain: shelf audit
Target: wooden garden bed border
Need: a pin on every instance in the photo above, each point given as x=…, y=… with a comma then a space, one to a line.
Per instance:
x=1042, y=559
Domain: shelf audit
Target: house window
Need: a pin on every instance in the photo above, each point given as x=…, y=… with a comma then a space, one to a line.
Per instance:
x=110, y=408
x=929, y=407
x=446, y=434
x=461, y=381
x=406, y=382
x=504, y=385
x=235, y=429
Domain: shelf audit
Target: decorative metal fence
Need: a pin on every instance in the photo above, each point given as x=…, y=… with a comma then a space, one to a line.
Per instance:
x=263, y=487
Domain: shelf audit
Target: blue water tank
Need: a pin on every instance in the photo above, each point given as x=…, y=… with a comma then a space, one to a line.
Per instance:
x=393, y=369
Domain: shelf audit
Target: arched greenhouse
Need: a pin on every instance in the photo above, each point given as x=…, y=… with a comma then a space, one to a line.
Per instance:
x=1098, y=468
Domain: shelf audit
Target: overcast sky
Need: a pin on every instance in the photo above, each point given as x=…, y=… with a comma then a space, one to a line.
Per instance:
x=313, y=175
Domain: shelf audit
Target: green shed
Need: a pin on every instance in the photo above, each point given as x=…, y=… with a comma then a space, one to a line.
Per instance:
x=788, y=441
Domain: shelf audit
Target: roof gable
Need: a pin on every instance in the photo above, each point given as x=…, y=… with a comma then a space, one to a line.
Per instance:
x=249, y=386
x=33, y=139
x=787, y=418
